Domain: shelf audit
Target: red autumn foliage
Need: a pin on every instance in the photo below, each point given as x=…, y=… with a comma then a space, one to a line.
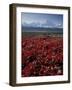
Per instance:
x=42, y=56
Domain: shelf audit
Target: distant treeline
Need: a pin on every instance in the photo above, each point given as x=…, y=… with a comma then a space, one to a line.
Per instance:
x=26, y=34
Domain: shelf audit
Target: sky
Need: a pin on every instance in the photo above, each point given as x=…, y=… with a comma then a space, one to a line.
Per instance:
x=42, y=20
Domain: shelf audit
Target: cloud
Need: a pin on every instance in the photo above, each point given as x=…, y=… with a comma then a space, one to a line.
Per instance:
x=59, y=25
x=41, y=23
x=32, y=24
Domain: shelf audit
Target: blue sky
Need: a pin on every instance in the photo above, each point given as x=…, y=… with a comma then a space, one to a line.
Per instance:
x=42, y=20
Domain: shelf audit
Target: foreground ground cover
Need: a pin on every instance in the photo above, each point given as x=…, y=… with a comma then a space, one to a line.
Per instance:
x=42, y=56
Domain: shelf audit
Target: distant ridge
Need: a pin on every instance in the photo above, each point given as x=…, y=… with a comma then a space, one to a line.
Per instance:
x=40, y=29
